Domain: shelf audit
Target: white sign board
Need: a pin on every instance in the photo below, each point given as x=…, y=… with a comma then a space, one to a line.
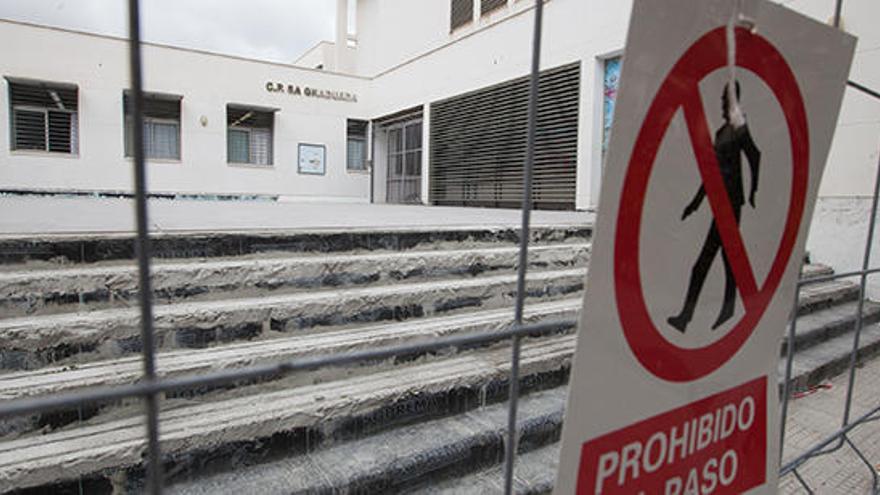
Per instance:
x=704, y=213
x=312, y=159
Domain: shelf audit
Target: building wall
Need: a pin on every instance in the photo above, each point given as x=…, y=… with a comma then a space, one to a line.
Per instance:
x=499, y=49
x=393, y=31
x=843, y=211
x=99, y=67
x=318, y=55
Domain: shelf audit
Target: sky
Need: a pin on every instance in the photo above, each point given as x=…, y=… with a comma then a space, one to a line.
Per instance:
x=276, y=30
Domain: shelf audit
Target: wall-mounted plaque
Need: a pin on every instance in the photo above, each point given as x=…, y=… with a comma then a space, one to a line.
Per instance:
x=312, y=159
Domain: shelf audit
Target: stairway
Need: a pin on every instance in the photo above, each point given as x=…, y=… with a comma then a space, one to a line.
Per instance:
x=426, y=422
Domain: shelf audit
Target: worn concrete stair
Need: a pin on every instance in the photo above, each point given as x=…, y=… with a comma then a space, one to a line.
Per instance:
x=331, y=409
x=91, y=248
x=295, y=306
x=189, y=361
x=535, y=471
x=43, y=291
x=32, y=342
x=224, y=424
x=398, y=459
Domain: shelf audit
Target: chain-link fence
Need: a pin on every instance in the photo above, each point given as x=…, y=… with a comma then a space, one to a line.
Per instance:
x=151, y=386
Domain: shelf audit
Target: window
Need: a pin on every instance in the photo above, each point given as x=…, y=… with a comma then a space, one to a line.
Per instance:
x=249, y=135
x=487, y=6
x=462, y=13
x=356, y=145
x=611, y=81
x=44, y=117
x=161, y=126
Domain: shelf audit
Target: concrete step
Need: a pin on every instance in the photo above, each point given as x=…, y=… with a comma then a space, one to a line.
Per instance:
x=190, y=361
x=536, y=470
x=814, y=328
x=37, y=341
x=33, y=342
x=534, y=474
x=813, y=270
x=401, y=459
x=830, y=358
x=78, y=248
x=826, y=294
x=43, y=291
x=290, y=419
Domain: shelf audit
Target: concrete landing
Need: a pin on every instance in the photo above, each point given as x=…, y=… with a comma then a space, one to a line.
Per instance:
x=82, y=215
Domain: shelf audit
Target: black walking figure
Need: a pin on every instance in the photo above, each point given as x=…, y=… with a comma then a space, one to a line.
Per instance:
x=730, y=142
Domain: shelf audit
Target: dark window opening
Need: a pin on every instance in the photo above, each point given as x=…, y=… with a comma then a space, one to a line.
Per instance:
x=249, y=135
x=161, y=126
x=44, y=117
x=462, y=12
x=356, y=145
x=487, y=6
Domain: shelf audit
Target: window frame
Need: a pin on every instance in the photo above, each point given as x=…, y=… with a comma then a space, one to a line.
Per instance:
x=251, y=160
x=148, y=120
x=492, y=9
x=364, y=140
x=72, y=129
x=464, y=22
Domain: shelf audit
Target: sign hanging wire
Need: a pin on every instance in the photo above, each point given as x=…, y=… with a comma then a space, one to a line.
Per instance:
x=735, y=113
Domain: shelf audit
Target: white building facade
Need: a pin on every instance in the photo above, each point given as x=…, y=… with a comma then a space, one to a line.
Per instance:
x=423, y=104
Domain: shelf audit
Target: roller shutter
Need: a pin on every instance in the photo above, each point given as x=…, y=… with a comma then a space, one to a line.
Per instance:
x=478, y=144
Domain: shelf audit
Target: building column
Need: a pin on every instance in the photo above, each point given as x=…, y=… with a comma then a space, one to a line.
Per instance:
x=341, y=45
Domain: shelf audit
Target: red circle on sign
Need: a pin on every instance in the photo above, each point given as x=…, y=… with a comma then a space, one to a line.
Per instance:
x=754, y=53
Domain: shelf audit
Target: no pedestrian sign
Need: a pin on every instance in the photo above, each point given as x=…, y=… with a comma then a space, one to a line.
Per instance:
x=716, y=155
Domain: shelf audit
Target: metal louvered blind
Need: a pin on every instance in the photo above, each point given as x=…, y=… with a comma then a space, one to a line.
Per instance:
x=462, y=13
x=478, y=144
x=487, y=6
x=44, y=117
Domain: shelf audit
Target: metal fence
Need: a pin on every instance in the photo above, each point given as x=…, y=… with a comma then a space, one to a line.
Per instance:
x=151, y=386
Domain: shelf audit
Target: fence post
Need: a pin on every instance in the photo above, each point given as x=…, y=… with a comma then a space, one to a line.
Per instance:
x=142, y=247
x=510, y=450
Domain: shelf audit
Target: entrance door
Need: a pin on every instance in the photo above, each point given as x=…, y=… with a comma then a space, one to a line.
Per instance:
x=405, y=163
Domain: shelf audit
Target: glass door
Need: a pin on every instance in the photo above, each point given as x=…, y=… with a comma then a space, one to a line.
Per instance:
x=405, y=163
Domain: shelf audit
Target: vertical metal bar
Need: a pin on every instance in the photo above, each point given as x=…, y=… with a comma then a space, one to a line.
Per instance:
x=510, y=451
x=871, y=469
x=838, y=7
x=154, y=466
x=866, y=261
x=803, y=482
x=786, y=390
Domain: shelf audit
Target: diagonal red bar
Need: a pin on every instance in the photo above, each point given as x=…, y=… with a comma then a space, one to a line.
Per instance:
x=716, y=192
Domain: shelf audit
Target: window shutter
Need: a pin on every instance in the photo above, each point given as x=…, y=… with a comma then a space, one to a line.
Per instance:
x=44, y=116
x=60, y=127
x=478, y=143
x=462, y=12
x=487, y=6
x=30, y=129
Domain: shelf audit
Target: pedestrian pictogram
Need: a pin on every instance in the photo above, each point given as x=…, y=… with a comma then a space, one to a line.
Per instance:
x=722, y=185
x=723, y=123
x=731, y=140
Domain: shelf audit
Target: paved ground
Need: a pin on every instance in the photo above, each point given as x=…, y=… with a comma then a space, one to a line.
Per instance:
x=816, y=416
x=54, y=215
